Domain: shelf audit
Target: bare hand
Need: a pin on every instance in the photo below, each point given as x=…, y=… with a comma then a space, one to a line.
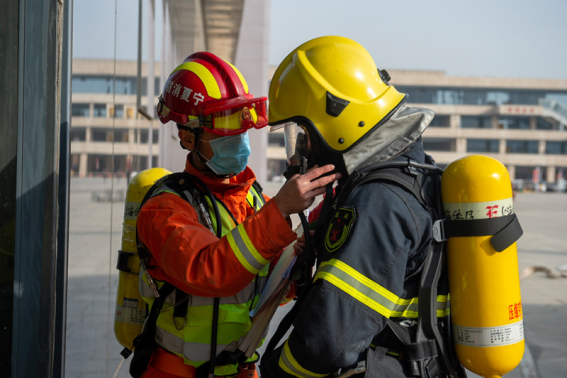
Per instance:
x=299, y=192
x=299, y=246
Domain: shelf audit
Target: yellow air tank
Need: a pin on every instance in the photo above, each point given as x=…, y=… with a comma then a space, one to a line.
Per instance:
x=130, y=307
x=486, y=306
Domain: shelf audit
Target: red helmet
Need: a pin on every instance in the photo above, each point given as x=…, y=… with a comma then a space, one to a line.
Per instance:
x=206, y=91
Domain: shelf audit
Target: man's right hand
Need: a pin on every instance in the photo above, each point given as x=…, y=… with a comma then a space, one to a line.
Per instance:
x=299, y=192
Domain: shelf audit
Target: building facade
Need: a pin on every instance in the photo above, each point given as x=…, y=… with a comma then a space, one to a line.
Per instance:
x=520, y=122
x=107, y=135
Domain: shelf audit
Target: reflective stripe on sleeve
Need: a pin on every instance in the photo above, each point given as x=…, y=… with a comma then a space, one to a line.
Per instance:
x=408, y=308
x=245, y=251
x=291, y=366
x=358, y=286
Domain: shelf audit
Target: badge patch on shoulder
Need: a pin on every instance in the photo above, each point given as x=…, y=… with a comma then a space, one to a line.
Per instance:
x=340, y=228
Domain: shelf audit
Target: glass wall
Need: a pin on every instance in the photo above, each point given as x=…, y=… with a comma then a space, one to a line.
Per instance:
x=102, y=168
x=482, y=145
x=8, y=175
x=478, y=96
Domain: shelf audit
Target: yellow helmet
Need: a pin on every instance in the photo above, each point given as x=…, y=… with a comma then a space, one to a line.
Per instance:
x=331, y=86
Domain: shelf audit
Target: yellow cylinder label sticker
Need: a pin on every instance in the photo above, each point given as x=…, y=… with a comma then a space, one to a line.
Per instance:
x=131, y=210
x=489, y=336
x=129, y=312
x=478, y=210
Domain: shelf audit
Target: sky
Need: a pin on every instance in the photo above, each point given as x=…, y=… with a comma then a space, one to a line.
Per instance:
x=499, y=38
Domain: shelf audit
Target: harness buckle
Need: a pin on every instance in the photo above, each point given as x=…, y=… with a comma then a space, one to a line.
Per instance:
x=412, y=170
x=439, y=231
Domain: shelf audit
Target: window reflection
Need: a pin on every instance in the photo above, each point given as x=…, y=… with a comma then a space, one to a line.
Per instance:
x=439, y=144
x=482, y=145
x=99, y=110
x=522, y=146
x=476, y=122
x=441, y=121
x=556, y=148
x=519, y=123
x=542, y=124
x=81, y=110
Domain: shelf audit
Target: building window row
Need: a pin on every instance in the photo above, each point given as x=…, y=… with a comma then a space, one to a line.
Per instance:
x=493, y=146
x=439, y=144
x=483, y=145
x=502, y=122
x=124, y=85
x=556, y=148
x=479, y=96
x=522, y=146
x=103, y=111
x=100, y=134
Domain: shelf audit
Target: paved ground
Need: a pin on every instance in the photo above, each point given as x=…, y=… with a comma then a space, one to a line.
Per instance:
x=95, y=232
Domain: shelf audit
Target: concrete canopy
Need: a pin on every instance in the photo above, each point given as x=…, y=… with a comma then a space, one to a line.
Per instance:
x=211, y=25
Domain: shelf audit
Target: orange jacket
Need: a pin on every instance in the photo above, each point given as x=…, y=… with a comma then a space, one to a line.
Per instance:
x=189, y=256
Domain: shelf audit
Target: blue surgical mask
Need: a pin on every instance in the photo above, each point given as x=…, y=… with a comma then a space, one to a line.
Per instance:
x=230, y=154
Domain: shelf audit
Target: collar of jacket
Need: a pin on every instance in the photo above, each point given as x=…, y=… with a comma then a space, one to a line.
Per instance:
x=238, y=185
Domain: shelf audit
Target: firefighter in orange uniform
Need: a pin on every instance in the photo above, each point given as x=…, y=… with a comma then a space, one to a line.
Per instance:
x=214, y=279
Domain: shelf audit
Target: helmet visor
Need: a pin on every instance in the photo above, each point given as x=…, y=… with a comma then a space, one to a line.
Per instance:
x=234, y=120
x=296, y=142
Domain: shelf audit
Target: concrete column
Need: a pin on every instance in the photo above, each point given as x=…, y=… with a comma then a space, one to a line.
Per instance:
x=455, y=121
x=83, y=165
x=461, y=146
x=150, y=77
x=163, y=130
x=494, y=121
x=170, y=42
x=132, y=136
x=88, y=134
x=163, y=73
x=541, y=147
x=512, y=172
x=533, y=123
x=253, y=61
x=502, y=146
x=551, y=174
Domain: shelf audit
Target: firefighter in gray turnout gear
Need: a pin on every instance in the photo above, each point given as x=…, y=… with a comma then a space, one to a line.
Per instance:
x=378, y=302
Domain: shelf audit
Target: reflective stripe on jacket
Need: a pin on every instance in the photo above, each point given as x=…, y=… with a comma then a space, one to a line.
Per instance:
x=189, y=337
